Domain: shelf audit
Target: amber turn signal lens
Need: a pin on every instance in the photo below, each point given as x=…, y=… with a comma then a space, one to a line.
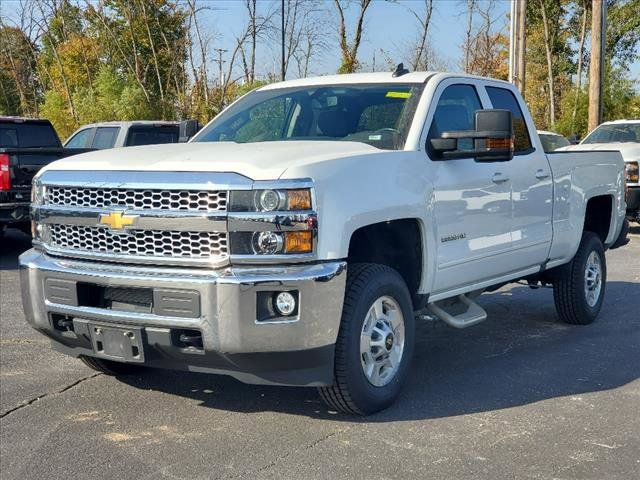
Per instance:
x=298, y=242
x=496, y=143
x=299, y=199
x=631, y=170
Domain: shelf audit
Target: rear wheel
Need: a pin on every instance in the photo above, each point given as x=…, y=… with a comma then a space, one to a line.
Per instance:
x=109, y=367
x=375, y=343
x=579, y=288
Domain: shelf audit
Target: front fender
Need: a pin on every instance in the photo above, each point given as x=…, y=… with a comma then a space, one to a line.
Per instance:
x=363, y=190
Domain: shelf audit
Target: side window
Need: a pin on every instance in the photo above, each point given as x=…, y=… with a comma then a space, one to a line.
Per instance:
x=504, y=99
x=80, y=139
x=456, y=110
x=105, y=137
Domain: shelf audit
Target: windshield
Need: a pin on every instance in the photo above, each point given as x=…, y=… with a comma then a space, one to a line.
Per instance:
x=379, y=115
x=553, y=142
x=615, y=132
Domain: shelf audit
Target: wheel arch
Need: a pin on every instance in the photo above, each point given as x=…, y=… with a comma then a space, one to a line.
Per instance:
x=399, y=244
x=600, y=218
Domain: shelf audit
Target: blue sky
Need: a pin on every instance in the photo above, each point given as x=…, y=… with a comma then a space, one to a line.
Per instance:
x=388, y=26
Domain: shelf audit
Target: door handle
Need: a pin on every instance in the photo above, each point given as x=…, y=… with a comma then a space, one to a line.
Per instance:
x=499, y=178
x=542, y=174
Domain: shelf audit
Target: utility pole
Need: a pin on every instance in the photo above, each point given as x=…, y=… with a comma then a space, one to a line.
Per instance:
x=282, y=67
x=596, y=65
x=220, y=63
x=517, y=43
x=221, y=77
x=521, y=41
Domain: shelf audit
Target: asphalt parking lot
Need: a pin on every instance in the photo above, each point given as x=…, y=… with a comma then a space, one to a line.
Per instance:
x=518, y=396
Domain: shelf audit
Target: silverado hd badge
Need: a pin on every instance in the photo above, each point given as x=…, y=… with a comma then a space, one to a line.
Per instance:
x=117, y=222
x=452, y=237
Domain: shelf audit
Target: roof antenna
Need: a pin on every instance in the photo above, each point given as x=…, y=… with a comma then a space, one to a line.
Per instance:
x=399, y=71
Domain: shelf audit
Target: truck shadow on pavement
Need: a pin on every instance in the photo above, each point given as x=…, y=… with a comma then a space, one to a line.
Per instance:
x=12, y=244
x=522, y=354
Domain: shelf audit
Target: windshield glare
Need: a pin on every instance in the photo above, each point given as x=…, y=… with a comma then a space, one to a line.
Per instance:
x=379, y=115
x=618, y=132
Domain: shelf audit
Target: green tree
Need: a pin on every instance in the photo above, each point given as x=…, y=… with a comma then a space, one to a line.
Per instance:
x=19, y=87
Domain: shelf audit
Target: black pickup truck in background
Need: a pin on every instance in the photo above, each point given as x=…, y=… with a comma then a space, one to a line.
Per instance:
x=26, y=145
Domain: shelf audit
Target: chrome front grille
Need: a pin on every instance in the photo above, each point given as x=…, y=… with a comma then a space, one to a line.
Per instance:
x=138, y=199
x=136, y=217
x=140, y=243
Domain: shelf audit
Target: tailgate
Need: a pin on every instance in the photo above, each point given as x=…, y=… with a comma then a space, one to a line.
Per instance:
x=25, y=163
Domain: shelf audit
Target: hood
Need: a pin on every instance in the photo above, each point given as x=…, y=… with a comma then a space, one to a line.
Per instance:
x=630, y=151
x=258, y=161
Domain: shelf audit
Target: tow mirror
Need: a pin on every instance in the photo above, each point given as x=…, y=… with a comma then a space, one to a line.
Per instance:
x=188, y=128
x=491, y=140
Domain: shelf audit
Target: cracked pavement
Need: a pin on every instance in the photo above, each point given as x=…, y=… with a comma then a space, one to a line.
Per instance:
x=518, y=396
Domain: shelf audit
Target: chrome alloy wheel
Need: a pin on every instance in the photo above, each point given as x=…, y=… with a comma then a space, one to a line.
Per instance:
x=593, y=279
x=382, y=341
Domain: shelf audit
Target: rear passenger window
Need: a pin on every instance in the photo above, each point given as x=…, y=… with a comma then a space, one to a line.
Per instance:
x=105, y=137
x=503, y=99
x=80, y=139
x=152, y=135
x=456, y=111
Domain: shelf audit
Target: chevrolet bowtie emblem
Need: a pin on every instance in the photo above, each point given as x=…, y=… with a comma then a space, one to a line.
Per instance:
x=116, y=220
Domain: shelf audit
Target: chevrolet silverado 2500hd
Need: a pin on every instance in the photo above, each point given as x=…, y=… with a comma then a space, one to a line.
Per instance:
x=294, y=238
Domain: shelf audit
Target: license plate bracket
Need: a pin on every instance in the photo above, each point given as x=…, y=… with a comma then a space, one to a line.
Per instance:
x=117, y=343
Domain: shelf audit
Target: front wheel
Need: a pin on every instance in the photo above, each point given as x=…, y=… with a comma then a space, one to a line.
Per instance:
x=375, y=343
x=579, y=288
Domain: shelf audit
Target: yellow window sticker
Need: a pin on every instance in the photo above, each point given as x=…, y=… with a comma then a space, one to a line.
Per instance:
x=398, y=94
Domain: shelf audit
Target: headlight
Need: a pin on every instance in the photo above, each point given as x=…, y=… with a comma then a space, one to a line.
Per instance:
x=38, y=193
x=268, y=243
x=270, y=200
x=631, y=172
x=272, y=243
x=271, y=223
x=40, y=232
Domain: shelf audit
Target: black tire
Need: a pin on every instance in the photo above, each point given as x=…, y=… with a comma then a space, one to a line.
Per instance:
x=109, y=367
x=569, y=290
x=352, y=392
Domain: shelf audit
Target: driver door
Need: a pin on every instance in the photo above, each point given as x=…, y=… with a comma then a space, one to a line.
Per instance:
x=472, y=200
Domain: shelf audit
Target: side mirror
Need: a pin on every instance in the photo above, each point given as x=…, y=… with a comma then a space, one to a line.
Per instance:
x=491, y=140
x=188, y=128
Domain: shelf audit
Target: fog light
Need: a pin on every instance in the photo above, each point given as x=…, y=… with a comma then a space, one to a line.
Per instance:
x=285, y=303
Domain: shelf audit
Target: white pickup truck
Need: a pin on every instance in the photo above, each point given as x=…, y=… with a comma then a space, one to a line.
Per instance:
x=623, y=136
x=296, y=238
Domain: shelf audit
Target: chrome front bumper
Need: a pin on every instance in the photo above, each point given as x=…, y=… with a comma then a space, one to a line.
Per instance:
x=297, y=350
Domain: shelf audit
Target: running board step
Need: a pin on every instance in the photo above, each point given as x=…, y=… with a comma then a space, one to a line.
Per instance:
x=473, y=313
